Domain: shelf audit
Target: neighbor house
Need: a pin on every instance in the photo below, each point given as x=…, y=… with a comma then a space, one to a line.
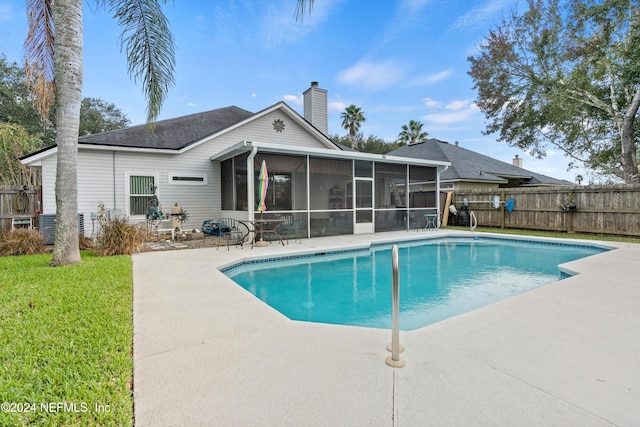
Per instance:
x=472, y=170
x=208, y=163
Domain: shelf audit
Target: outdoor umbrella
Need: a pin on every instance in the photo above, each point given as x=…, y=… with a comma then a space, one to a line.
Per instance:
x=263, y=183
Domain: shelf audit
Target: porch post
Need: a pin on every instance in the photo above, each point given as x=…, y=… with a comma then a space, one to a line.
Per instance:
x=438, y=220
x=251, y=202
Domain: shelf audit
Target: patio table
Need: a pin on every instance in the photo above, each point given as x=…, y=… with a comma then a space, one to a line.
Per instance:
x=432, y=221
x=269, y=226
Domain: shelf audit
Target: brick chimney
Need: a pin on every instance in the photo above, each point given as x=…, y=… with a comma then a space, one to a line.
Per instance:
x=315, y=107
x=517, y=161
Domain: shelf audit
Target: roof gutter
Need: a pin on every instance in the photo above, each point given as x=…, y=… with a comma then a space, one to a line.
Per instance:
x=266, y=147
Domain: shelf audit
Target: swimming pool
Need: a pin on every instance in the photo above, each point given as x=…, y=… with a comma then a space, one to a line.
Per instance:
x=439, y=278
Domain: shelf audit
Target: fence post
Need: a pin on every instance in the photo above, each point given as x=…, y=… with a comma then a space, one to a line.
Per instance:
x=570, y=213
x=502, y=220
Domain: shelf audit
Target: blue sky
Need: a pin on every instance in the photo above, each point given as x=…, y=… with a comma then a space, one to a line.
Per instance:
x=397, y=60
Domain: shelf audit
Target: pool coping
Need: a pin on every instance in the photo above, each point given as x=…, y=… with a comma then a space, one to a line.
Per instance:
x=361, y=248
x=205, y=351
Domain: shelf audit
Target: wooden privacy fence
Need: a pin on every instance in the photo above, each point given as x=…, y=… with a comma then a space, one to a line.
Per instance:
x=18, y=203
x=602, y=209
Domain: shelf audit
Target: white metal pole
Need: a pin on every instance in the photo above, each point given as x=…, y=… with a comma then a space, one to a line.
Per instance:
x=394, y=360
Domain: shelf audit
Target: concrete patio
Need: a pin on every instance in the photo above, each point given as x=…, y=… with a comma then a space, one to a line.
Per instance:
x=206, y=352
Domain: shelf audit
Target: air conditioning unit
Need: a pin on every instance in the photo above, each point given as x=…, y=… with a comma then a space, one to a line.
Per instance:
x=47, y=225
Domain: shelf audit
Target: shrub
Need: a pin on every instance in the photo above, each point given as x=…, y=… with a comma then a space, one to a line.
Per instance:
x=117, y=236
x=85, y=243
x=22, y=242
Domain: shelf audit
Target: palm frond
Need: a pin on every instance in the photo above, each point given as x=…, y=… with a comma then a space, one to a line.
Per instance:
x=39, y=51
x=301, y=7
x=150, y=49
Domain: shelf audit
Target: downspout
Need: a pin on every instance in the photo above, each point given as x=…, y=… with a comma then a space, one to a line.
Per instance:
x=113, y=176
x=250, y=182
x=438, y=195
x=308, y=173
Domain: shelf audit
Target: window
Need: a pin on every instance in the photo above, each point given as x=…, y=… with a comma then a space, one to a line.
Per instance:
x=140, y=190
x=183, y=179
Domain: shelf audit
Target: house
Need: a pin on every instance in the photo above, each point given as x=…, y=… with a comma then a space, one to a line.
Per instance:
x=471, y=170
x=208, y=164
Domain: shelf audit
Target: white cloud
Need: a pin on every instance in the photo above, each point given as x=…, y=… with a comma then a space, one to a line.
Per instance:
x=279, y=25
x=336, y=106
x=449, y=118
x=292, y=99
x=372, y=75
x=458, y=105
x=254, y=95
x=479, y=16
x=269, y=23
x=430, y=79
x=455, y=112
x=431, y=103
x=407, y=16
x=413, y=5
x=548, y=153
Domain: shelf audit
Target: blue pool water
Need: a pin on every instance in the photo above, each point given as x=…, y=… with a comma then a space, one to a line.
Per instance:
x=438, y=279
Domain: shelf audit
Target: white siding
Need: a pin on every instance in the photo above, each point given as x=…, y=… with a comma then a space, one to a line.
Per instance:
x=49, y=185
x=99, y=172
x=199, y=201
x=95, y=184
x=95, y=180
x=261, y=130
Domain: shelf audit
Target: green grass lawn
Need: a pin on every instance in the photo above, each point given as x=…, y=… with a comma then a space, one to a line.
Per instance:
x=66, y=337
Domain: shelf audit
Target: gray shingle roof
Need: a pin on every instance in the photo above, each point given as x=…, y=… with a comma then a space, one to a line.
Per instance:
x=171, y=134
x=468, y=165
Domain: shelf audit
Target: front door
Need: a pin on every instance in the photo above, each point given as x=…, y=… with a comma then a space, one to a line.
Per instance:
x=363, y=191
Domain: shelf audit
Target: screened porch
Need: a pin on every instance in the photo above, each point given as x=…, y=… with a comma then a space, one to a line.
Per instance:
x=316, y=195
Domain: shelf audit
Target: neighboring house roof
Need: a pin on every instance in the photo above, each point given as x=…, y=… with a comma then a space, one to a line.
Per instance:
x=467, y=165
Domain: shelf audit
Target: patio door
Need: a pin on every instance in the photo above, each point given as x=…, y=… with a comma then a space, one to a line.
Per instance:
x=363, y=191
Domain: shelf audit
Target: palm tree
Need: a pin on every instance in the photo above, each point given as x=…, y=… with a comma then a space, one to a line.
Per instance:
x=352, y=119
x=412, y=133
x=151, y=57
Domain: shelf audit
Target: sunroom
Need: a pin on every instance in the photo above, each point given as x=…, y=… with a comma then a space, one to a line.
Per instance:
x=329, y=192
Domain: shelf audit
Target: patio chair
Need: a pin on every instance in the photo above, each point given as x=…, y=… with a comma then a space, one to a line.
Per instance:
x=229, y=230
x=291, y=229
